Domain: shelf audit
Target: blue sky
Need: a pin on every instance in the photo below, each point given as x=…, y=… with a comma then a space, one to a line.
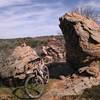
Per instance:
x=31, y=18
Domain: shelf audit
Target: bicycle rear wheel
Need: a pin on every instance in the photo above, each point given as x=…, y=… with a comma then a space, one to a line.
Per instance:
x=34, y=86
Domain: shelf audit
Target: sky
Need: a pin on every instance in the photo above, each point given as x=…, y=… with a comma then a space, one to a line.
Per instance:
x=32, y=18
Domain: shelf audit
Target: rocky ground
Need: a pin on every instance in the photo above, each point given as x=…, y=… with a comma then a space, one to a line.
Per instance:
x=70, y=87
x=64, y=87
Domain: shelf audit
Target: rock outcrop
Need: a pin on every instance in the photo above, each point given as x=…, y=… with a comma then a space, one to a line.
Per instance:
x=82, y=36
x=17, y=61
x=54, y=51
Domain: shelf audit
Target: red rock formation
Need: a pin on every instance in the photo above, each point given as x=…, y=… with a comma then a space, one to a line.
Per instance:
x=82, y=36
x=17, y=61
x=54, y=51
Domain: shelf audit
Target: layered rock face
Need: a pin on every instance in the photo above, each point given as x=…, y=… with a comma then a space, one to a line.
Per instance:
x=54, y=51
x=82, y=36
x=17, y=61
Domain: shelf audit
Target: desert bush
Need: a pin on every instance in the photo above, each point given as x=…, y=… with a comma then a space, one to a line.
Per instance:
x=88, y=12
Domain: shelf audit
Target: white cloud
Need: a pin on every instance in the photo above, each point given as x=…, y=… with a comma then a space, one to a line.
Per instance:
x=20, y=18
x=91, y=3
x=13, y=2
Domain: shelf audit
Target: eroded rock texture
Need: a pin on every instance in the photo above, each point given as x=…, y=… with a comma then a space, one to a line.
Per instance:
x=17, y=62
x=54, y=51
x=82, y=36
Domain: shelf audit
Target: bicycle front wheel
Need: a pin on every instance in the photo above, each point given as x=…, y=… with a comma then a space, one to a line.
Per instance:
x=45, y=71
x=34, y=86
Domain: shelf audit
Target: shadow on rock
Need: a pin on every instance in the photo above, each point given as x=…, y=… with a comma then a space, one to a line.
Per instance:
x=58, y=69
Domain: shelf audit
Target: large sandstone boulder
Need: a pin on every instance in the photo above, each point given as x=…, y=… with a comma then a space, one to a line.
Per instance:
x=82, y=36
x=54, y=51
x=15, y=63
